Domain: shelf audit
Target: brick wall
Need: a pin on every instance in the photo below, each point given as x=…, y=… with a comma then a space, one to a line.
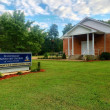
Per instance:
x=108, y=43
x=98, y=44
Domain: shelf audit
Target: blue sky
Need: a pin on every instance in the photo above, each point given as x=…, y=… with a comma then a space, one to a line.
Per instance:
x=60, y=12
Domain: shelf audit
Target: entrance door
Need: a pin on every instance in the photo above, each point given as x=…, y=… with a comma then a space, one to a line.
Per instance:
x=84, y=48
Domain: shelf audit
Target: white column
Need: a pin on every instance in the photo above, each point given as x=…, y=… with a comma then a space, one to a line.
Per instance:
x=88, y=44
x=93, y=44
x=104, y=42
x=72, y=45
x=68, y=46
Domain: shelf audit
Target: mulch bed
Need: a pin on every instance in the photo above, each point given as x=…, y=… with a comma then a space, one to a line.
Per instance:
x=95, y=60
x=15, y=75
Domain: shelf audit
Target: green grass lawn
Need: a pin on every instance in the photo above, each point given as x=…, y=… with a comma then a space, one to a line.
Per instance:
x=64, y=86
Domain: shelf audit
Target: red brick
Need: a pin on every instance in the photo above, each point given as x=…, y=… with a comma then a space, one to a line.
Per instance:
x=98, y=43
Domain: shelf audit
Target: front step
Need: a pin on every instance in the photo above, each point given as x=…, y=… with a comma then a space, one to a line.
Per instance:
x=75, y=57
x=81, y=57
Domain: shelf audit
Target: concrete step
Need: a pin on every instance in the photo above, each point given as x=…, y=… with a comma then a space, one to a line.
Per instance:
x=76, y=57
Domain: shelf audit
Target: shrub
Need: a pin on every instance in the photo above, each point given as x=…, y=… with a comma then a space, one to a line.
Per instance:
x=105, y=56
x=57, y=55
x=19, y=73
x=63, y=56
x=34, y=70
x=1, y=75
x=46, y=56
x=89, y=57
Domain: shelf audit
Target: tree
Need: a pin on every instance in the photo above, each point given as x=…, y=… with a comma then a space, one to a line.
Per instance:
x=35, y=39
x=52, y=42
x=14, y=31
x=15, y=36
x=67, y=28
x=108, y=22
x=53, y=31
x=105, y=21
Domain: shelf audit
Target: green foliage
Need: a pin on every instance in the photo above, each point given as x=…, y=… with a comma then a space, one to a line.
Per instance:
x=46, y=56
x=67, y=28
x=49, y=45
x=19, y=73
x=18, y=35
x=34, y=70
x=1, y=75
x=53, y=31
x=35, y=39
x=105, y=56
x=57, y=55
x=63, y=56
x=52, y=43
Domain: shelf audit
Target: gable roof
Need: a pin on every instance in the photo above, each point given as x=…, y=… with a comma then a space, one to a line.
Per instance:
x=93, y=20
x=91, y=24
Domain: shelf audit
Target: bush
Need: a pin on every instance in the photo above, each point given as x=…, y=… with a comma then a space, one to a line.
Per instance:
x=1, y=75
x=34, y=70
x=105, y=56
x=19, y=73
x=63, y=56
x=46, y=56
x=57, y=55
x=88, y=57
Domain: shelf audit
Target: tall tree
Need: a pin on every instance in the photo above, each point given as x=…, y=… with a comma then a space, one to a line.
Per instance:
x=108, y=21
x=15, y=36
x=52, y=42
x=14, y=31
x=35, y=39
x=53, y=31
x=67, y=28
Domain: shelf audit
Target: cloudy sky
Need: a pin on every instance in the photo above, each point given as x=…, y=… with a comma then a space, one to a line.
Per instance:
x=61, y=12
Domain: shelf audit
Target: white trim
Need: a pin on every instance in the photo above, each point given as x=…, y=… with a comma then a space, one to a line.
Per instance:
x=92, y=30
x=64, y=38
x=68, y=46
x=88, y=44
x=93, y=43
x=72, y=45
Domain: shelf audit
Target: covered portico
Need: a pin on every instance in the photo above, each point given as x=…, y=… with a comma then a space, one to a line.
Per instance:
x=88, y=44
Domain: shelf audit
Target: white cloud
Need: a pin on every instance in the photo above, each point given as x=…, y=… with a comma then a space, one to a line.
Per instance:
x=61, y=8
x=41, y=24
x=8, y=2
x=92, y=7
x=2, y=8
x=30, y=7
x=71, y=9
